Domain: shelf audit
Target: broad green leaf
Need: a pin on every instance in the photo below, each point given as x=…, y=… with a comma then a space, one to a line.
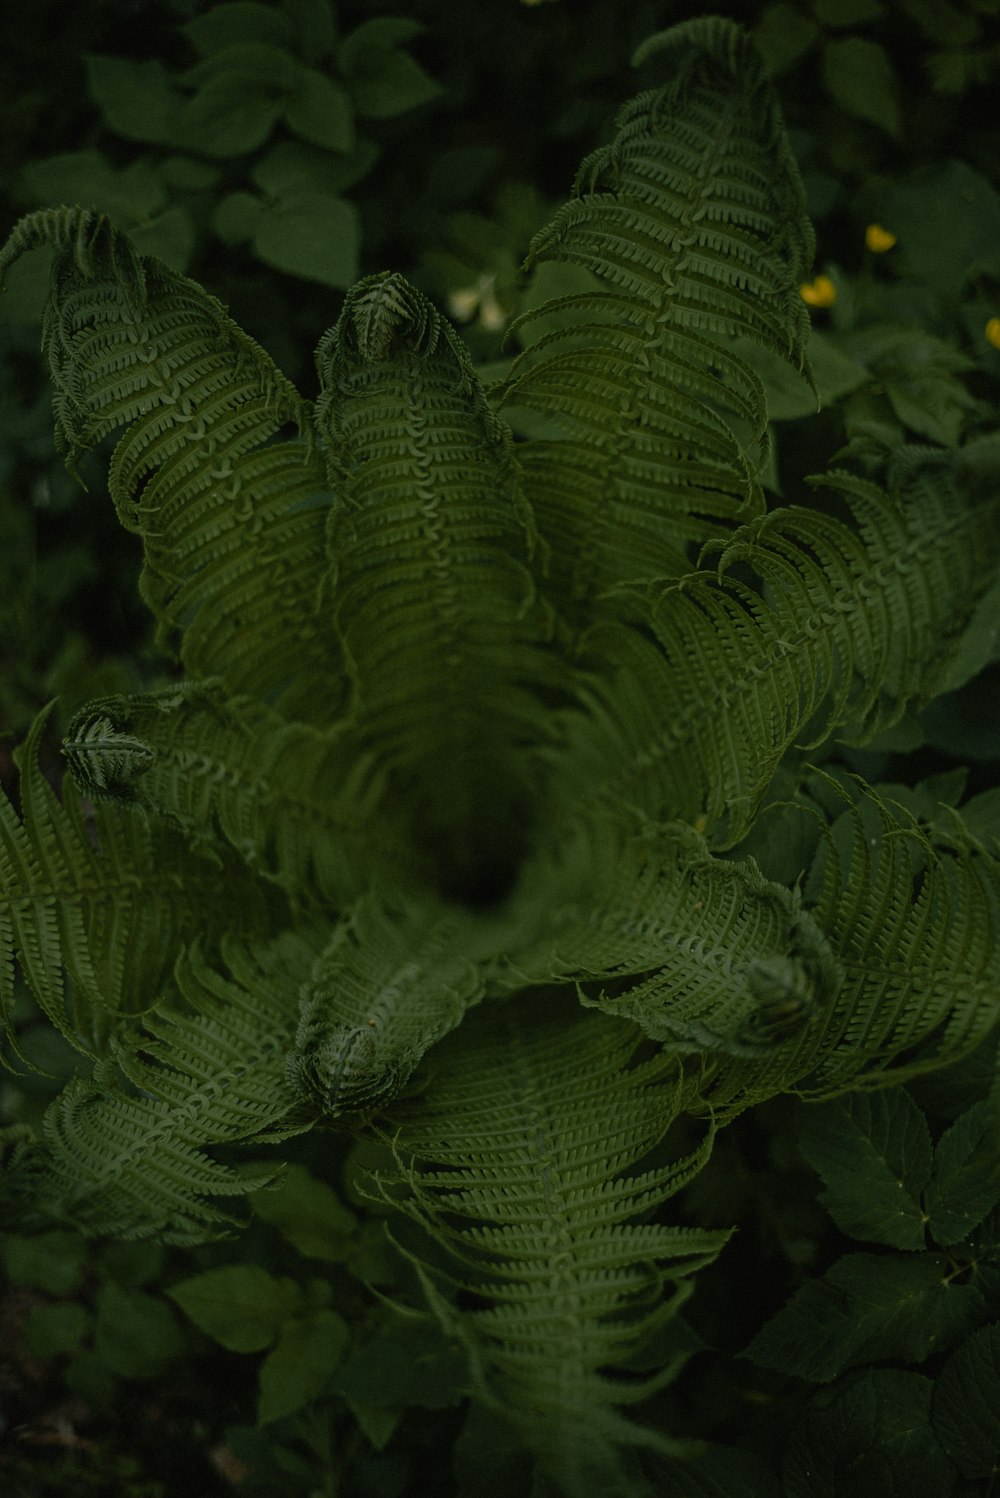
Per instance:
x=309, y=1214
x=229, y=117
x=406, y=1362
x=377, y=1422
x=89, y=1376
x=241, y=1306
x=292, y=165
x=922, y=376
x=965, y=1179
x=782, y=35
x=135, y=1333
x=55, y=1329
x=252, y=64
x=966, y=1407
x=860, y=78
x=789, y=395
x=320, y=111
x=137, y=99
x=847, y=12
x=871, y=1436
x=981, y=814
x=239, y=21
x=136, y=198
x=128, y=196
x=189, y=174
x=315, y=27
x=299, y=1367
x=53, y=1262
x=947, y=224
x=398, y=83
x=867, y=1306
x=383, y=80
x=378, y=35
x=133, y=1263
x=873, y=1151
x=236, y=217
x=836, y=373
x=170, y=236
x=979, y=646
x=311, y=234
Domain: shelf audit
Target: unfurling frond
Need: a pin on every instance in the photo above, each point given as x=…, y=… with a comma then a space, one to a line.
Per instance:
x=704, y=954
x=693, y=222
x=431, y=543
x=297, y=802
x=395, y=977
x=94, y=907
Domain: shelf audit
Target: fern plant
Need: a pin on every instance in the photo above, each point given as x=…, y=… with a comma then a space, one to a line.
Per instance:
x=490, y=700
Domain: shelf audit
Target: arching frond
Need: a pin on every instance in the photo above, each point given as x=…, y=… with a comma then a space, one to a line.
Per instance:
x=914, y=922
x=848, y=625
x=231, y=514
x=693, y=222
x=132, y=1161
x=522, y=1158
x=95, y=906
x=395, y=977
x=298, y=803
x=431, y=541
x=704, y=954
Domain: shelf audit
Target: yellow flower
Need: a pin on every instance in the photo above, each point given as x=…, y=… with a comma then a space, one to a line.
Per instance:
x=878, y=240
x=464, y=304
x=819, y=293
x=992, y=331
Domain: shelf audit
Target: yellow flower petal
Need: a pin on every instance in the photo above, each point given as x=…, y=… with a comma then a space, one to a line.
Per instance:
x=878, y=240
x=819, y=293
x=491, y=314
x=992, y=331
x=462, y=304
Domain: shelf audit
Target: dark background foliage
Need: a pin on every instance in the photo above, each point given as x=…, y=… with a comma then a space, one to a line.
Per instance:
x=105, y=1387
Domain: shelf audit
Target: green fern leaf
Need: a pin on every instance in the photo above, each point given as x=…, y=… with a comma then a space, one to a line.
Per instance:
x=298, y=803
x=704, y=954
x=431, y=541
x=847, y=626
x=133, y=1162
x=914, y=926
x=520, y=1158
x=693, y=222
x=231, y=514
x=395, y=977
x=94, y=907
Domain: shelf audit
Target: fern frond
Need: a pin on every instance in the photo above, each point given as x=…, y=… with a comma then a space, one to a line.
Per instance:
x=395, y=977
x=297, y=802
x=521, y=1161
x=913, y=922
x=693, y=222
x=704, y=954
x=431, y=541
x=131, y=1160
x=847, y=627
x=94, y=906
x=231, y=513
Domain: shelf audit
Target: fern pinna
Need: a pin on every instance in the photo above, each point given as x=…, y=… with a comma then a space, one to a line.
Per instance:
x=476, y=734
